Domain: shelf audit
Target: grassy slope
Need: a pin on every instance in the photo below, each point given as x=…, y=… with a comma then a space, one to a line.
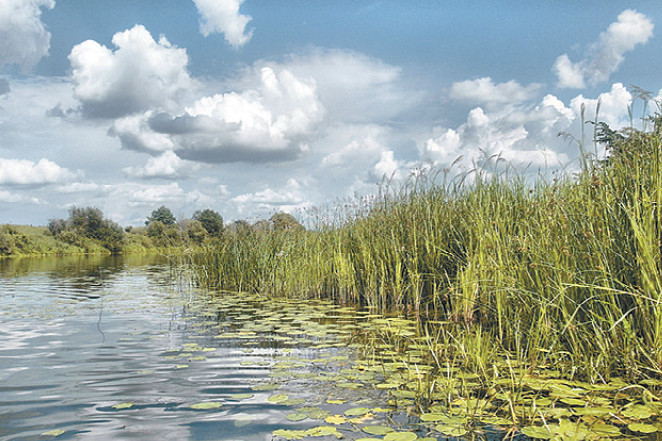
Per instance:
x=566, y=273
x=27, y=240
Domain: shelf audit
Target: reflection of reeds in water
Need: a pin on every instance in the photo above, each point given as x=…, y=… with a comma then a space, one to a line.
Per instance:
x=564, y=273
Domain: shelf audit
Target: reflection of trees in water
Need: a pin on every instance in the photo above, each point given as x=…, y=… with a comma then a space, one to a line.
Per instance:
x=85, y=275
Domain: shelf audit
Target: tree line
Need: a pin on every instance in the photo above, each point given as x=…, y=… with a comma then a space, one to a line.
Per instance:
x=162, y=228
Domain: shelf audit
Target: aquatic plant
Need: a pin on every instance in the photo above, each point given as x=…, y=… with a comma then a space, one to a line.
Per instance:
x=525, y=289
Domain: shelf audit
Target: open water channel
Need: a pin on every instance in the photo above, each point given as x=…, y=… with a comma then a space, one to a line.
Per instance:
x=124, y=348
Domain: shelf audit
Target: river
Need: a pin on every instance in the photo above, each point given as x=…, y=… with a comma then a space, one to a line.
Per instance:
x=108, y=348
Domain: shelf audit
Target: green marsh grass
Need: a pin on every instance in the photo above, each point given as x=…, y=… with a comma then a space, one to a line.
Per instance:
x=558, y=280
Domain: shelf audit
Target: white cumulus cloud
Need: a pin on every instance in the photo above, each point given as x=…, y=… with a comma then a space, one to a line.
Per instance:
x=484, y=91
x=524, y=135
x=138, y=195
x=223, y=16
x=605, y=56
x=24, y=39
x=354, y=87
x=388, y=167
x=289, y=198
x=167, y=166
x=270, y=120
x=613, y=106
x=25, y=172
x=139, y=75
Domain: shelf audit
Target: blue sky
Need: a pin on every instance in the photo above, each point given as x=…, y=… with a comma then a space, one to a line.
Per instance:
x=257, y=106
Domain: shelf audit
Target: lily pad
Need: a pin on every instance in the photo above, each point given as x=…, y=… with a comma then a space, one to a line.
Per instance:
x=206, y=405
x=429, y=417
x=241, y=396
x=639, y=412
x=335, y=419
x=122, y=406
x=290, y=434
x=642, y=428
x=54, y=432
x=537, y=432
x=400, y=436
x=323, y=431
x=378, y=430
x=297, y=416
x=451, y=430
x=278, y=398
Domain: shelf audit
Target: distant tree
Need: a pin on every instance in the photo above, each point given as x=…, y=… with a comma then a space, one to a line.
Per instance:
x=285, y=222
x=164, y=235
x=156, y=229
x=57, y=226
x=163, y=215
x=111, y=236
x=89, y=222
x=210, y=220
x=86, y=221
x=195, y=230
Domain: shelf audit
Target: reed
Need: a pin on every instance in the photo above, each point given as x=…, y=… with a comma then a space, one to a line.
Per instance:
x=563, y=272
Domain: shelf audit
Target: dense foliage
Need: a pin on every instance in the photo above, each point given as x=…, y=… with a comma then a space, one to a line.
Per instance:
x=566, y=272
x=87, y=231
x=162, y=214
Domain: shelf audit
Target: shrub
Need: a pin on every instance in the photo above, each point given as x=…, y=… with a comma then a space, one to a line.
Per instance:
x=163, y=215
x=210, y=220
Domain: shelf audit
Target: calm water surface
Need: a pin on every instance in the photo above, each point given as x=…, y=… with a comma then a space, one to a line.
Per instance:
x=121, y=348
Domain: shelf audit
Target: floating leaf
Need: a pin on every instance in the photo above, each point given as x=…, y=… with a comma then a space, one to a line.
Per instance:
x=290, y=434
x=297, y=416
x=278, y=398
x=122, y=406
x=642, y=428
x=335, y=419
x=388, y=385
x=357, y=411
x=639, y=412
x=605, y=429
x=241, y=396
x=378, y=430
x=316, y=413
x=54, y=432
x=323, y=431
x=573, y=402
x=427, y=417
x=451, y=430
x=537, y=432
x=206, y=405
x=400, y=436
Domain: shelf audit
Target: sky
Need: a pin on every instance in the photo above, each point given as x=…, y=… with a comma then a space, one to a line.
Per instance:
x=252, y=107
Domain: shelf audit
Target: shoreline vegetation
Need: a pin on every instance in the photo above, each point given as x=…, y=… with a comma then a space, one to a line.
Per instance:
x=87, y=232
x=539, y=306
x=531, y=307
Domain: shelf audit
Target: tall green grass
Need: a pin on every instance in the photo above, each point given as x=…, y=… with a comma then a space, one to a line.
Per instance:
x=563, y=272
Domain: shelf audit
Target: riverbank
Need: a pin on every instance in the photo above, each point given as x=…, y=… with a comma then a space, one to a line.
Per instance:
x=557, y=281
x=28, y=240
